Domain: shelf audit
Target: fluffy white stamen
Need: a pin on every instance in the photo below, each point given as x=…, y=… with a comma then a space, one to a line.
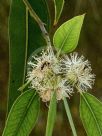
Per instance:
x=63, y=89
x=78, y=71
x=47, y=74
x=43, y=73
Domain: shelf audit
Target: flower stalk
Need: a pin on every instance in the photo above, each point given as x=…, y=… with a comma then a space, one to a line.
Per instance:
x=69, y=117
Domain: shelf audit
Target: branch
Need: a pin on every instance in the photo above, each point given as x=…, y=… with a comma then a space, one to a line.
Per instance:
x=39, y=21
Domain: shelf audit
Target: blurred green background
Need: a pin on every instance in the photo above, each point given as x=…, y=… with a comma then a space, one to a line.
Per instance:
x=90, y=45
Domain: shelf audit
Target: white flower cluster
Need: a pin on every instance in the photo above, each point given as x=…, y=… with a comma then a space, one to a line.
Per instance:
x=48, y=73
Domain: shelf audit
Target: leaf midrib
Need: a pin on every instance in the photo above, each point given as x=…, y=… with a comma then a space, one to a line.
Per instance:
x=70, y=30
x=93, y=114
x=24, y=114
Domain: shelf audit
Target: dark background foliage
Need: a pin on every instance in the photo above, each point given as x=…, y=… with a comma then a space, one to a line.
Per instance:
x=90, y=45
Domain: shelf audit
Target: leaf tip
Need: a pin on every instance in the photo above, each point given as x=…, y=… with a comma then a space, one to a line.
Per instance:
x=83, y=16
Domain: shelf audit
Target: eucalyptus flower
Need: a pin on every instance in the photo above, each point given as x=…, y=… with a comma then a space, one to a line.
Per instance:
x=48, y=73
x=40, y=64
x=45, y=76
x=77, y=71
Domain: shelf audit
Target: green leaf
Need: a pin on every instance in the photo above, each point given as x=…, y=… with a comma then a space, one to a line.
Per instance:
x=51, y=116
x=59, y=4
x=91, y=114
x=67, y=35
x=25, y=37
x=23, y=115
x=17, y=48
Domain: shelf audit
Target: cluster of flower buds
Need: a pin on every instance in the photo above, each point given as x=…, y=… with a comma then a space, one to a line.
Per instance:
x=49, y=73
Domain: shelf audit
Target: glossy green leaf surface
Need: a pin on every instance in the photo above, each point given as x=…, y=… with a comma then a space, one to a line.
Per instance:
x=51, y=116
x=25, y=37
x=23, y=115
x=59, y=4
x=91, y=114
x=17, y=48
x=67, y=35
